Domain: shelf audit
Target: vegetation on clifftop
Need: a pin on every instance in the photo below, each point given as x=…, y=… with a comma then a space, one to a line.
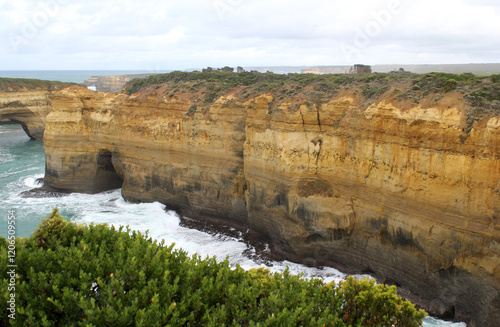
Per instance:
x=17, y=84
x=75, y=275
x=482, y=93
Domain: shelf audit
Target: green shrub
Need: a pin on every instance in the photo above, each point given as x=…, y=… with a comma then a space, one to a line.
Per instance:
x=16, y=84
x=439, y=82
x=263, y=82
x=51, y=228
x=367, y=304
x=74, y=275
x=450, y=85
x=369, y=92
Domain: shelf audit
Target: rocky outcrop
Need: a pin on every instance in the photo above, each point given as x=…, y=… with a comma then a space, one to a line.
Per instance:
x=387, y=187
x=360, y=69
x=476, y=69
x=111, y=83
x=356, y=69
x=27, y=102
x=28, y=108
x=328, y=70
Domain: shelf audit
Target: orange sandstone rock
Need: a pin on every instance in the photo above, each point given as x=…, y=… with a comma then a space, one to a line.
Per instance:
x=391, y=189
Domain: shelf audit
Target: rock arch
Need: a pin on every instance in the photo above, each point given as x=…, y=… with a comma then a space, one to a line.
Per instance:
x=28, y=109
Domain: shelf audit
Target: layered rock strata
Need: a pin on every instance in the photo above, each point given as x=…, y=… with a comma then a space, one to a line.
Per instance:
x=27, y=108
x=392, y=189
x=27, y=102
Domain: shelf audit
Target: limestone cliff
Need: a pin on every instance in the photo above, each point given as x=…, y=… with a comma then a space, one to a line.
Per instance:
x=29, y=109
x=404, y=186
x=27, y=102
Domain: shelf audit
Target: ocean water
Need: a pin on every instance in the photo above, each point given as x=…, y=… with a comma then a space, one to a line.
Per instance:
x=22, y=163
x=72, y=76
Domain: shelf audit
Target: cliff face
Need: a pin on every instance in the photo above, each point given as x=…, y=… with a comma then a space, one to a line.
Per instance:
x=387, y=191
x=27, y=108
x=391, y=188
x=27, y=102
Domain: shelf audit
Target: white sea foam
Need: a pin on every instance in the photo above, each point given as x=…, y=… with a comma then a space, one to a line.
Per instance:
x=164, y=225
x=18, y=172
x=31, y=181
x=433, y=322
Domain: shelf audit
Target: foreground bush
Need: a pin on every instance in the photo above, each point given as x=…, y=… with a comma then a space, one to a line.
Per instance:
x=75, y=275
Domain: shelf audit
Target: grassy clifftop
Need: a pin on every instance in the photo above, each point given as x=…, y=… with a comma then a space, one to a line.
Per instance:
x=17, y=84
x=482, y=93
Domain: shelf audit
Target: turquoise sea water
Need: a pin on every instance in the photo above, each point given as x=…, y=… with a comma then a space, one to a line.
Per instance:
x=22, y=162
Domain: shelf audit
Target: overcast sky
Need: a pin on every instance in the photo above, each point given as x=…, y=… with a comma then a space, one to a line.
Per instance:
x=161, y=35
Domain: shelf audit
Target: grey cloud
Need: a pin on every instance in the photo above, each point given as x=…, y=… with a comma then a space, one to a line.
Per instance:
x=193, y=33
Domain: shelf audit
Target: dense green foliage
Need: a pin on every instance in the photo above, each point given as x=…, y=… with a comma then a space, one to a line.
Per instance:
x=144, y=283
x=15, y=84
x=228, y=80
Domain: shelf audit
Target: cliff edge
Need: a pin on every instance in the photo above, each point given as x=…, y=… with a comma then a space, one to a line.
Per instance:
x=392, y=175
x=27, y=102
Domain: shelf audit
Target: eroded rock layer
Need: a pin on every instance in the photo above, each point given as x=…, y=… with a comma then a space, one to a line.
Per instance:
x=27, y=108
x=27, y=102
x=392, y=188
